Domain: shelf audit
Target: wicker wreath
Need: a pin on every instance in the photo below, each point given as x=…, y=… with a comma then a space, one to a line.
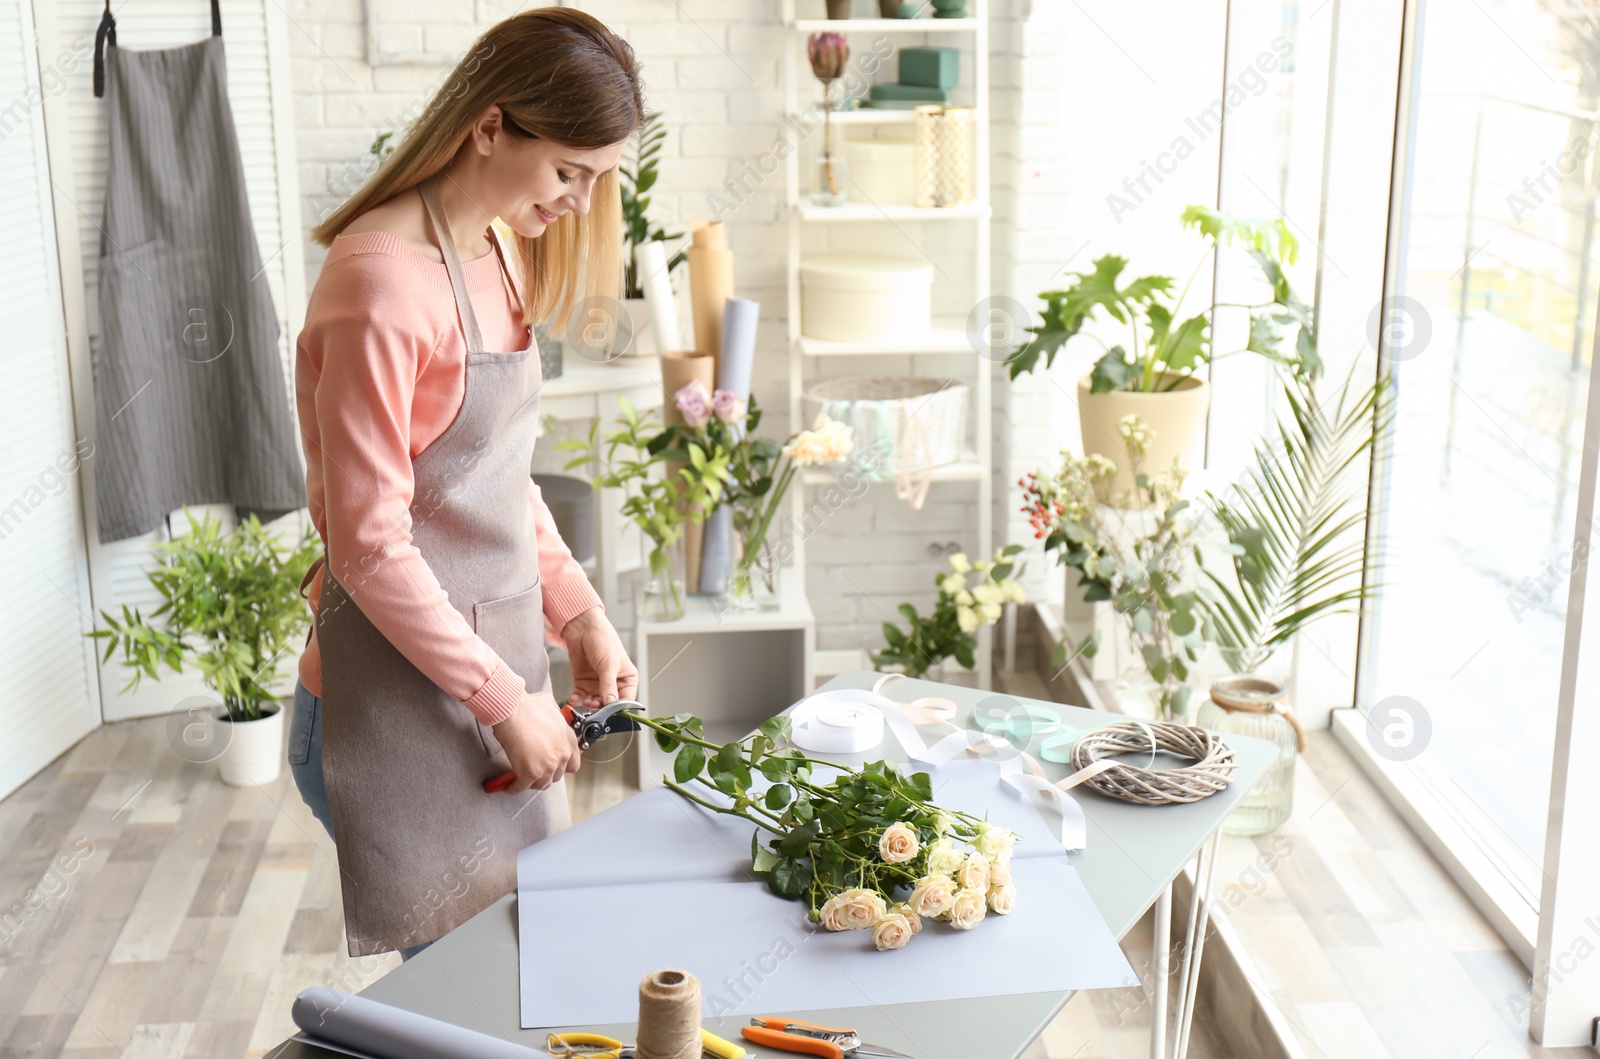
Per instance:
x=1211, y=772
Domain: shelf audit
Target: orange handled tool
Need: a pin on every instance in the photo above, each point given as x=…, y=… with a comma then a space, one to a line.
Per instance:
x=808, y=1038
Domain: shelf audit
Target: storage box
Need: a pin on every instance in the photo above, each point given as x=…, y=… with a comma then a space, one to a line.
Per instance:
x=930, y=67
x=865, y=297
x=880, y=171
x=901, y=424
x=883, y=92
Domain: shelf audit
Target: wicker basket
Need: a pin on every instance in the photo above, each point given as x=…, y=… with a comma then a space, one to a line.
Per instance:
x=915, y=424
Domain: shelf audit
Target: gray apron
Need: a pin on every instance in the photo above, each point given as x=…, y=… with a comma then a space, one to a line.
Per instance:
x=191, y=404
x=421, y=847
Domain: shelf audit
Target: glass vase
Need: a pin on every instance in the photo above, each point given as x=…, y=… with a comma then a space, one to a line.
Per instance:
x=829, y=182
x=1249, y=697
x=754, y=584
x=664, y=579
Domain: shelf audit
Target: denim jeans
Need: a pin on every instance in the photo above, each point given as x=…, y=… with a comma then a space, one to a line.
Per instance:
x=305, y=763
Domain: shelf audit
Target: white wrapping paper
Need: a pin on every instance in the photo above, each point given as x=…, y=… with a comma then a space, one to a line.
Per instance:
x=341, y=1022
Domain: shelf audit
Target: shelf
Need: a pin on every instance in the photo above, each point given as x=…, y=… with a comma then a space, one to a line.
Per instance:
x=884, y=25
x=868, y=116
x=892, y=212
x=966, y=469
x=704, y=614
x=943, y=337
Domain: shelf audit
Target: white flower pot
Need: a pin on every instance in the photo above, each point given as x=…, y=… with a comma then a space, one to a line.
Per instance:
x=1176, y=418
x=252, y=751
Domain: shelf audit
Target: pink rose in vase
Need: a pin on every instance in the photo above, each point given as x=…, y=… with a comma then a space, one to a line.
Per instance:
x=694, y=403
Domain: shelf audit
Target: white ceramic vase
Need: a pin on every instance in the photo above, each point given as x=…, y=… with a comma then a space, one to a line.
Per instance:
x=643, y=340
x=252, y=750
x=1176, y=418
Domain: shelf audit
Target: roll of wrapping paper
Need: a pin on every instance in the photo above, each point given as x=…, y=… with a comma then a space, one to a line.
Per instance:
x=369, y=1028
x=710, y=282
x=679, y=367
x=650, y=264
x=734, y=368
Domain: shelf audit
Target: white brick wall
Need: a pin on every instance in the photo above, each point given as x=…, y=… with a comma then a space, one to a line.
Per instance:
x=717, y=78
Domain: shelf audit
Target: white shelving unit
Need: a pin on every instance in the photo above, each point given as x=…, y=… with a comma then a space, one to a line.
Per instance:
x=947, y=336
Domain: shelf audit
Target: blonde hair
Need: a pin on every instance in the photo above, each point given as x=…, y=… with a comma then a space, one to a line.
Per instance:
x=562, y=75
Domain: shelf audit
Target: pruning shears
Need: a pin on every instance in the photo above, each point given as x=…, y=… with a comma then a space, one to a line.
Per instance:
x=599, y=1046
x=830, y=1042
x=589, y=726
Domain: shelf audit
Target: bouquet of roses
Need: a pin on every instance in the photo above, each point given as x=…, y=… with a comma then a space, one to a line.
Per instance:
x=865, y=849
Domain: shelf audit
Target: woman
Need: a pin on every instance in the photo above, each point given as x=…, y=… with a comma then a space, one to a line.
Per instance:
x=426, y=673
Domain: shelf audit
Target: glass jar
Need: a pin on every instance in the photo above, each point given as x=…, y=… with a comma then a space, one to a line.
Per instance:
x=829, y=182
x=664, y=583
x=1253, y=705
x=754, y=584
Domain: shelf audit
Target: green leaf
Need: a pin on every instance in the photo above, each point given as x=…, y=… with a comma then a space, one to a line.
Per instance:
x=789, y=877
x=778, y=796
x=762, y=859
x=689, y=762
x=1112, y=372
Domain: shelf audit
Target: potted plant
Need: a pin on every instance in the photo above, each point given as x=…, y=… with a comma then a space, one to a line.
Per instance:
x=1132, y=556
x=1155, y=374
x=661, y=505
x=1295, y=554
x=230, y=604
x=963, y=604
x=637, y=174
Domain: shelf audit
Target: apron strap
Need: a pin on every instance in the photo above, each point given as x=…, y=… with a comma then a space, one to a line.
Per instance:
x=505, y=265
x=429, y=189
x=106, y=34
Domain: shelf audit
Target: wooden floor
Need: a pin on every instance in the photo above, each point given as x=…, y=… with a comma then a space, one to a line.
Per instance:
x=148, y=911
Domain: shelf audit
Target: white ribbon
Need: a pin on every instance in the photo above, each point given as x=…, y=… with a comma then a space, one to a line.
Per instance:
x=1022, y=775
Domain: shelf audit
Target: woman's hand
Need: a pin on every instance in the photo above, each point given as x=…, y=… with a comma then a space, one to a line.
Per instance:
x=539, y=743
x=602, y=673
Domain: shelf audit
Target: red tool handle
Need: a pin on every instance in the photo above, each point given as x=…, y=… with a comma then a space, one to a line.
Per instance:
x=788, y=1042
x=496, y=784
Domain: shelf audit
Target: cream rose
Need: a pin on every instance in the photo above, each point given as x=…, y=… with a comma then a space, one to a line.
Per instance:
x=1002, y=899
x=891, y=931
x=852, y=910
x=933, y=895
x=898, y=844
x=974, y=872
x=911, y=917
x=995, y=841
x=968, y=909
x=944, y=858
x=999, y=871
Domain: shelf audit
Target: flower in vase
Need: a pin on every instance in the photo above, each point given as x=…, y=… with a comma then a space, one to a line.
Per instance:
x=898, y=844
x=694, y=403
x=960, y=564
x=967, y=619
x=828, y=441
x=952, y=584
x=727, y=406
x=828, y=53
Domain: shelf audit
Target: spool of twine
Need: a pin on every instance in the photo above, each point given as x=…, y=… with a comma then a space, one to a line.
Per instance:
x=1254, y=695
x=669, y=1016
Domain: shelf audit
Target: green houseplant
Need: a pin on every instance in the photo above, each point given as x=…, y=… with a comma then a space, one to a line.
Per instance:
x=231, y=606
x=638, y=173
x=960, y=608
x=1295, y=554
x=1153, y=373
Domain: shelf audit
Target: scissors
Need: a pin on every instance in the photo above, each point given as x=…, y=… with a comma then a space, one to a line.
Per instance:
x=599, y=1046
x=590, y=726
x=830, y=1042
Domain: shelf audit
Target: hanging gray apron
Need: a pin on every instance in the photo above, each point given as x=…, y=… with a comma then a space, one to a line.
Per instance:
x=421, y=847
x=191, y=403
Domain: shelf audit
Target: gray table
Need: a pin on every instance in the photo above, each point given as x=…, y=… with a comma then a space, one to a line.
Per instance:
x=469, y=977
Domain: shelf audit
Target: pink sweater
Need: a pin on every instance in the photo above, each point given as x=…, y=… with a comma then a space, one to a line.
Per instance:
x=380, y=371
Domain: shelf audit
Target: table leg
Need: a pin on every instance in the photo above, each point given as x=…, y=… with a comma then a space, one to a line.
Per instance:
x=1160, y=950
x=1199, y=914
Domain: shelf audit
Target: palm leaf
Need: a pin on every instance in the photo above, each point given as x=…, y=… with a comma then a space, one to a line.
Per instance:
x=1293, y=521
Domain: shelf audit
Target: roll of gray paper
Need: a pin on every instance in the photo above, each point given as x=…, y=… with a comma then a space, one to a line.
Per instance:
x=734, y=368
x=366, y=1027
